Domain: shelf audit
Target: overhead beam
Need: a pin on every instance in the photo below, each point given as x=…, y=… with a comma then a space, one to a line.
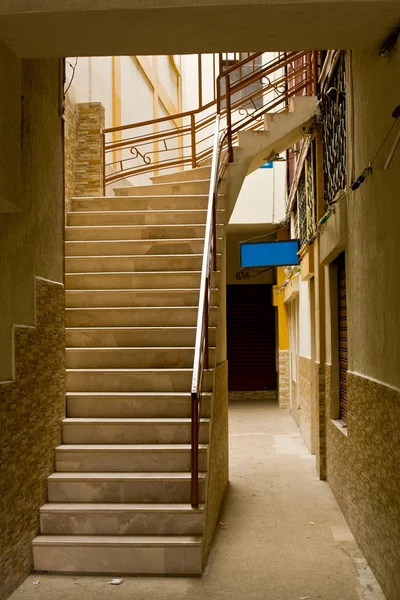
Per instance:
x=44, y=28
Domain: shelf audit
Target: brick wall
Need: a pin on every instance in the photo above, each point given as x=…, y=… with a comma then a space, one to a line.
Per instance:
x=31, y=409
x=284, y=391
x=89, y=153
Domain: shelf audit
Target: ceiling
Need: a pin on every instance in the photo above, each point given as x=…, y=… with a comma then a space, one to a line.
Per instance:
x=54, y=28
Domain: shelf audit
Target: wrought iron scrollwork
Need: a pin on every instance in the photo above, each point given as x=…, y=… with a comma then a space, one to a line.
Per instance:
x=136, y=153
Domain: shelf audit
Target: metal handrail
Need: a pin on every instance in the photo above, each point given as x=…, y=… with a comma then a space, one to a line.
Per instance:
x=200, y=360
x=181, y=139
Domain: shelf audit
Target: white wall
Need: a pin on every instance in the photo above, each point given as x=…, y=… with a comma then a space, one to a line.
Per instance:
x=262, y=197
x=304, y=319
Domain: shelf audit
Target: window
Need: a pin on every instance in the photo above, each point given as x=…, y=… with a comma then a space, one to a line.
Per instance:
x=342, y=337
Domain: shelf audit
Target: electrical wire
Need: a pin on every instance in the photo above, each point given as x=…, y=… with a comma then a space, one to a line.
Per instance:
x=73, y=67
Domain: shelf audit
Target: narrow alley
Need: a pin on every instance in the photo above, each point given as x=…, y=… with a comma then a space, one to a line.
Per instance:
x=281, y=534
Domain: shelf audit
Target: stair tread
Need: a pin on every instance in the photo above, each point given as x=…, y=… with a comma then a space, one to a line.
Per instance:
x=163, y=240
x=100, y=256
x=122, y=476
x=141, y=197
x=152, y=328
x=166, y=211
x=123, y=348
x=125, y=447
x=135, y=308
x=166, y=395
x=114, y=540
x=137, y=370
x=131, y=421
x=120, y=507
x=140, y=290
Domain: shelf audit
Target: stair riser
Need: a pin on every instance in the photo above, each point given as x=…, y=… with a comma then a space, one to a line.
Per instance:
x=109, y=298
x=155, y=232
x=187, y=175
x=115, y=523
x=127, y=264
x=127, y=281
x=126, y=461
x=91, y=337
x=121, y=317
x=149, y=433
x=120, y=407
x=173, y=189
x=137, y=358
x=137, y=218
x=142, y=203
x=119, y=560
x=122, y=491
x=147, y=247
x=81, y=381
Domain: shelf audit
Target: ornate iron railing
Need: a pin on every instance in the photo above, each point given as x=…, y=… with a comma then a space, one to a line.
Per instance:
x=244, y=96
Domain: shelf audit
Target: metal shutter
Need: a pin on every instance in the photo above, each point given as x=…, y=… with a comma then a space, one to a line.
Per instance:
x=251, y=338
x=343, y=364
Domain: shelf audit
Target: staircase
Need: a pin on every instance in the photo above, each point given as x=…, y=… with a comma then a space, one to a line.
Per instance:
x=140, y=475
x=120, y=498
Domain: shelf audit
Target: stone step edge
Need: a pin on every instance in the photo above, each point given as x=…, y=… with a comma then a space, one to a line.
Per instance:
x=123, y=476
x=143, y=308
x=99, y=256
x=131, y=420
x=127, y=447
x=105, y=507
x=102, y=540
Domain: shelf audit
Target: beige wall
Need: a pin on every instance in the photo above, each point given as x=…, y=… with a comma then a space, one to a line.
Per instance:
x=31, y=240
x=31, y=300
x=373, y=218
x=363, y=459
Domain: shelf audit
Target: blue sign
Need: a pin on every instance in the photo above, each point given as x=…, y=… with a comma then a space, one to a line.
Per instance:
x=268, y=165
x=280, y=253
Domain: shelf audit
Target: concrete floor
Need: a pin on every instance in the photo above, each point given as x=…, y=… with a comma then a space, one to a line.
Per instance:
x=281, y=535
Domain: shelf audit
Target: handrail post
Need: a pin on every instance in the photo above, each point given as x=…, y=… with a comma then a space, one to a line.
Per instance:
x=315, y=72
x=195, y=453
x=103, y=137
x=206, y=322
x=228, y=116
x=214, y=229
x=193, y=139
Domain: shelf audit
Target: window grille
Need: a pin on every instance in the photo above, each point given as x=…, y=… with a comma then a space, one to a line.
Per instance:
x=334, y=132
x=302, y=212
x=310, y=161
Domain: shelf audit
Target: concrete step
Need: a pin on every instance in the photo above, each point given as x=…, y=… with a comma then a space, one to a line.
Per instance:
x=143, y=280
x=140, y=316
x=134, y=380
x=128, y=458
x=137, y=232
x=131, y=431
x=133, y=358
x=181, y=188
x=134, y=405
x=89, y=337
x=140, y=555
x=153, y=202
x=122, y=487
x=140, y=217
x=121, y=519
x=187, y=175
x=111, y=298
x=136, y=247
x=131, y=264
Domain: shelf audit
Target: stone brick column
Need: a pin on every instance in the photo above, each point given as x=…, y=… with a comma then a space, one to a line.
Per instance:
x=283, y=379
x=89, y=166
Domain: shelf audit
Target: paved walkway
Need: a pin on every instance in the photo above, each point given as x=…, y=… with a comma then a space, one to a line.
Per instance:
x=281, y=537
